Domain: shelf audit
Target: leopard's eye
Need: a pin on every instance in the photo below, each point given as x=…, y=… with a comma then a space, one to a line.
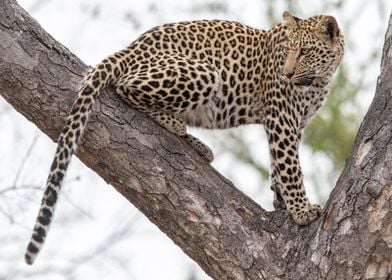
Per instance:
x=304, y=51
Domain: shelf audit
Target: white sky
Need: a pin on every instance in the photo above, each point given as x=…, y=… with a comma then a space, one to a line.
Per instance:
x=90, y=209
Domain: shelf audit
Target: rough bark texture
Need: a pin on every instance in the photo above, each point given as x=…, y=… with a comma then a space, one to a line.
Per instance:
x=223, y=230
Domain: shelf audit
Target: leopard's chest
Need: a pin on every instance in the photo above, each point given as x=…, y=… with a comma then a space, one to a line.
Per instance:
x=312, y=101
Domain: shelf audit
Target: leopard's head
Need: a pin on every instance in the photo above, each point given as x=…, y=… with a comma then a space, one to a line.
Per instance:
x=313, y=48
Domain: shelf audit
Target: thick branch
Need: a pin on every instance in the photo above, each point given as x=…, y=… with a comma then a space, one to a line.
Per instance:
x=222, y=229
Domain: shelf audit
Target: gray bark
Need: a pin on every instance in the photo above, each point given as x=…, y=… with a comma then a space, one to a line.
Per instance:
x=223, y=230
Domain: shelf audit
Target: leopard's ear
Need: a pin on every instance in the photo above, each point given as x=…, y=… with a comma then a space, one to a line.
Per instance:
x=328, y=29
x=289, y=20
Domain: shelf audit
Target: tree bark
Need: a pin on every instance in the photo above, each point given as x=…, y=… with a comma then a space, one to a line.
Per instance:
x=223, y=230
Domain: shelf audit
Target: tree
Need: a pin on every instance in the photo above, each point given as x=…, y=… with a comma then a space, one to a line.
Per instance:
x=224, y=231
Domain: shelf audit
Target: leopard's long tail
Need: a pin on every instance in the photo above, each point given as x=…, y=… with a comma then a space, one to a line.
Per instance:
x=98, y=78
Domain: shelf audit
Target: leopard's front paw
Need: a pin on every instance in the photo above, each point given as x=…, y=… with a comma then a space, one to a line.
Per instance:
x=306, y=215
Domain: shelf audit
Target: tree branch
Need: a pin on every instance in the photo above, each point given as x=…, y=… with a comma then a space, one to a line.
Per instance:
x=218, y=226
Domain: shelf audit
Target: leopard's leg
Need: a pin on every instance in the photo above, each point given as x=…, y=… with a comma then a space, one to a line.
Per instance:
x=286, y=172
x=177, y=126
x=172, y=123
x=278, y=201
x=178, y=86
x=201, y=148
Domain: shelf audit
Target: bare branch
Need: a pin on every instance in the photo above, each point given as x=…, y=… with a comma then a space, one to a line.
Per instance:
x=26, y=156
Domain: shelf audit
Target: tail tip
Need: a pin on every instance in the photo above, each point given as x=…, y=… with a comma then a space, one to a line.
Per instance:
x=31, y=253
x=29, y=259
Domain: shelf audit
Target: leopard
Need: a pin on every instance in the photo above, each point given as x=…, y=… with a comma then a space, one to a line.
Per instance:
x=215, y=74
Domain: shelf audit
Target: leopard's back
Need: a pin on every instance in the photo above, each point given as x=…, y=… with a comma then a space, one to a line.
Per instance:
x=216, y=65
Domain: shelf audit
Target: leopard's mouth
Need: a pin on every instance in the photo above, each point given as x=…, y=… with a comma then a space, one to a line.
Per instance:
x=304, y=79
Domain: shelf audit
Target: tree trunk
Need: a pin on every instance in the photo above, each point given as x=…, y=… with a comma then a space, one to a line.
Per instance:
x=223, y=230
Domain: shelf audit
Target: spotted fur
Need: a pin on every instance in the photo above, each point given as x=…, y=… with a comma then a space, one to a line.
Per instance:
x=215, y=74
